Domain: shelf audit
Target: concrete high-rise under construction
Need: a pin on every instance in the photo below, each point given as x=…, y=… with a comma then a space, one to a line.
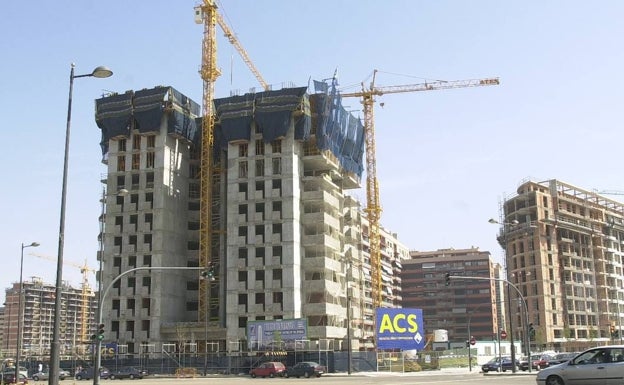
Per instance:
x=293, y=246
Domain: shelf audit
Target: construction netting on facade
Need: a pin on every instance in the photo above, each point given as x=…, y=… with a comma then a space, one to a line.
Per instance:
x=117, y=114
x=272, y=112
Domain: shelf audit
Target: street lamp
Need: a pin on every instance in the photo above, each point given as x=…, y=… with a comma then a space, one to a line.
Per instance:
x=98, y=72
x=19, y=311
x=98, y=342
x=511, y=332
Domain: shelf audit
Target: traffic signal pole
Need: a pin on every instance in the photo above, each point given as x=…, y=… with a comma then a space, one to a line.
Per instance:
x=97, y=362
x=448, y=277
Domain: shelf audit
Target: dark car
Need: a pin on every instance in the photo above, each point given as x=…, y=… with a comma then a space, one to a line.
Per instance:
x=561, y=358
x=494, y=365
x=268, y=369
x=126, y=372
x=305, y=369
x=9, y=378
x=87, y=373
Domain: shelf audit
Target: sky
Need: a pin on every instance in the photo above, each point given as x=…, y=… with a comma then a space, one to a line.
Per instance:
x=446, y=159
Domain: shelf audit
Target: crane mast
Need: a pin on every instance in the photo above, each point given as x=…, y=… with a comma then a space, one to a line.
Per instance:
x=207, y=14
x=373, y=208
x=209, y=74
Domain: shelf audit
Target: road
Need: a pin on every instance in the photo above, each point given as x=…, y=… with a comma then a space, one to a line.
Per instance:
x=437, y=378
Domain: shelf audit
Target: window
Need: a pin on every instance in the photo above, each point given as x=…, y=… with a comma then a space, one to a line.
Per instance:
x=259, y=147
x=121, y=183
x=151, y=141
x=259, y=298
x=260, y=167
x=121, y=145
x=135, y=181
x=136, y=161
x=260, y=275
x=277, y=228
x=147, y=260
x=242, y=231
x=276, y=146
x=136, y=142
x=121, y=163
x=278, y=297
x=149, y=179
x=242, y=150
x=132, y=261
x=242, y=277
x=149, y=160
x=277, y=166
x=242, y=322
x=242, y=169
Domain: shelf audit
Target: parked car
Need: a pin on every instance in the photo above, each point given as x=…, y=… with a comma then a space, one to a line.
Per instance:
x=9, y=378
x=126, y=372
x=540, y=361
x=39, y=376
x=22, y=370
x=305, y=369
x=561, y=358
x=268, y=369
x=494, y=365
x=87, y=373
x=600, y=365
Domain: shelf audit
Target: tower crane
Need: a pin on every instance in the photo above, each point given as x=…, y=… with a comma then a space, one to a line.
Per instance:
x=373, y=206
x=86, y=292
x=207, y=14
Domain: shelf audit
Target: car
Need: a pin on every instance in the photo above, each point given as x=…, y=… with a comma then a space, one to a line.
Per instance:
x=44, y=375
x=126, y=372
x=87, y=373
x=540, y=361
x=494, y=365
x=560, y=358
x=268, y=369
x=9, y=378
x=599, y=365
x=11, y=369
x=305, y=369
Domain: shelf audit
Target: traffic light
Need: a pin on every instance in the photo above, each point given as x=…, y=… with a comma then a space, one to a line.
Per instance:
x=100, y=332
x=612, y=330
x=531, y=330
x=447, y=278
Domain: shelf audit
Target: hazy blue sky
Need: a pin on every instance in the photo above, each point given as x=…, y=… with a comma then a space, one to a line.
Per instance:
x=445, y=159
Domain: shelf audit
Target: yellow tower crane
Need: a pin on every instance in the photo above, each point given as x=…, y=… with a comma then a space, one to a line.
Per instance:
x=207, y=14
x=86, y=292
x=373, y=208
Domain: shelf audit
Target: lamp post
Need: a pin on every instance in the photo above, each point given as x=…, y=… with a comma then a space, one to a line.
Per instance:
x=98, y=72
x=509, y=311
x=97, y=357
x=19, y=311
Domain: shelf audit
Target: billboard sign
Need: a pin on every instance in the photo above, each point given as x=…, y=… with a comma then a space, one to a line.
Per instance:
x=400, y=329
x=276, y=334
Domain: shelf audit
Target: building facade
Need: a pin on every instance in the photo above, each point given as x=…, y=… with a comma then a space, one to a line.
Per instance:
x=463, y=307
x=564, y=252
x=77, y=320
x=291, y=244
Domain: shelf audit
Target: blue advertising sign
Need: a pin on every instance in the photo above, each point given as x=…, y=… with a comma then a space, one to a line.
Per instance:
x=400, y=329
x=276, y=334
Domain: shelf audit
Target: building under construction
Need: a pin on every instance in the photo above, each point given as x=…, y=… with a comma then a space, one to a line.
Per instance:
x=288, y=243
x=564, y=251
x=37, y=315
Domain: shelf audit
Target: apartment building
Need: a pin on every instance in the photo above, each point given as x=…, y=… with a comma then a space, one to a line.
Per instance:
x=77, y=320
x=564, y=250
x=292, y=244
x=462, y=307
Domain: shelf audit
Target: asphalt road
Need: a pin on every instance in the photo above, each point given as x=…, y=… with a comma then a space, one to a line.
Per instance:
x=438, y=378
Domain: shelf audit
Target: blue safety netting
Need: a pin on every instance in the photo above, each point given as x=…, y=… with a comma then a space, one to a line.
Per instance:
x=144, y=111
x=272, y=112
x=337, y=129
